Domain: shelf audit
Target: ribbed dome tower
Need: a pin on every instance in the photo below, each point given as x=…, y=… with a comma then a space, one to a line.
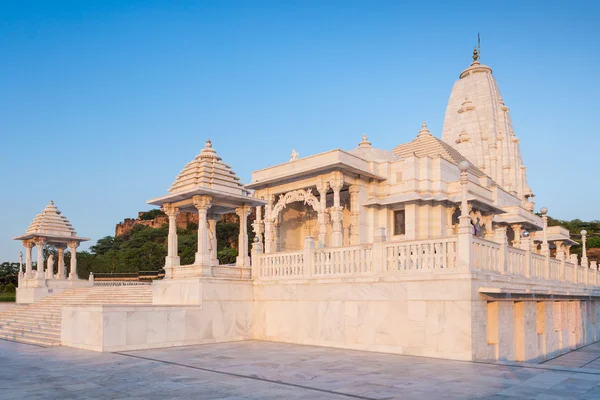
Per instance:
x=207, y=170
x=478, y=125
x=51, y=222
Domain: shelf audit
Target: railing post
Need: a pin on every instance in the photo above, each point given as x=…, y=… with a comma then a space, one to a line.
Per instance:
x=526, y=243
x=309, y=256
x=562, y=270
x=465, y=230
x=500, y=237
x=91, y=278
x=594, y=268
x=257, y=250
x=378, y=256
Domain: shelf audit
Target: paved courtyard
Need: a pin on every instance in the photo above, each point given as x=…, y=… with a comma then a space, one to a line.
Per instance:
x=261, y=370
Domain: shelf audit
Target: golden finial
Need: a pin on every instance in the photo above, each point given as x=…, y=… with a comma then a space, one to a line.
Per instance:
x=475, y=54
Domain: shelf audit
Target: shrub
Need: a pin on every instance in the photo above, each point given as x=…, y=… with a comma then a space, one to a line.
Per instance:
x=227, y=255
x=10, y=288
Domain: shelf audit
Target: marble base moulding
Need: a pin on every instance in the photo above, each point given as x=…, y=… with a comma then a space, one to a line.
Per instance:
x=185, y=312
x=120, y=328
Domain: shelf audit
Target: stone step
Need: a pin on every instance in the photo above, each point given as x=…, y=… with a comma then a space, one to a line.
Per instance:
x=40, y=323
x=29, y=340
x=33, y=335
x=32, y=320
x=46, y=331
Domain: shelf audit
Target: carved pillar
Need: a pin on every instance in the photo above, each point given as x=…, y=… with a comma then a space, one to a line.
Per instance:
x=277, y=233
x=28, y=261
x=39, y=242
x=517, y=229
x=545, y=249
x=336, y=183
x=465, y=231
x=567, y=251
x=560, y=250
x=202, y=204
x=584, y=258
x=269, y=234
x=61, y=274
x=258, y=226
x=243, y=259
x=450, y=209
x=172, y=258
x=322, y=188
x=73, y=271
x=355, y=215
x=212, y=238
x=488, y=223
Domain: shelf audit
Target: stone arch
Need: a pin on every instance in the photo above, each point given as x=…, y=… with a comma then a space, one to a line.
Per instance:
x=305, y=196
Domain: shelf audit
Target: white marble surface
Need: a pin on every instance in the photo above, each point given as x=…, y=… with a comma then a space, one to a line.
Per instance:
x=225, y=314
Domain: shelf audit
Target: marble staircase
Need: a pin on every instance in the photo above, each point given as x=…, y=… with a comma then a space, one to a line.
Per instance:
x=40, y=323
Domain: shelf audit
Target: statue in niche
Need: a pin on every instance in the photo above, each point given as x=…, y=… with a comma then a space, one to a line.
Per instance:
x=50, y=266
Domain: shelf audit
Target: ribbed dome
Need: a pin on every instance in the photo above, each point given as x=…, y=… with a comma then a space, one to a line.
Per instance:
x=207, y=170
x=51, y=222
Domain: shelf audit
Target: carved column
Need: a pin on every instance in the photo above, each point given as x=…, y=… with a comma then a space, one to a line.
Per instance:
x=202, y=204
x=465, y=231
x=28, y=261
x=61, y=274
x=567, y=251
x=243, y=259
x=73, y=271
x=172, y=258
x=355, y=214
x=545, y=249
x=560, y=250
x=212, y=238
x=517, y=229
x=336, y=183
x=39, y=242
x=269, y=234
x=489, y=230
x=450, y=209
x=277, y=233
x=584, y=257
x=258, y=226
x=322, y=188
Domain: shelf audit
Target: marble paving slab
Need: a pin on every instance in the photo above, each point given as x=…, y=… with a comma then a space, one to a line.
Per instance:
x=265, y=370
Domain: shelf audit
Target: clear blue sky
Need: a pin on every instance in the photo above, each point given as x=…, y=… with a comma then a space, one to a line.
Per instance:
x=102, y=103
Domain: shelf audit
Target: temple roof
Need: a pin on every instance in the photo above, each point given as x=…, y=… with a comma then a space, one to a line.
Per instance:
x=208, y=175
x=370, y=153
x=51, y=224
x=427, y=145
x=477, y=123
x=207, y=170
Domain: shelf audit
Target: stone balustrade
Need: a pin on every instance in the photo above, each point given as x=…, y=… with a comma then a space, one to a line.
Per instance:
x=419, y=257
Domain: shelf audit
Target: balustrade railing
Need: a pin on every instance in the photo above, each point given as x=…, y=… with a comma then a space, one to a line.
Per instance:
x=515, y=261
x=485, y=255
x=538, y=266
x=355, y=260
x=420, y=256
x=423, y=255
x=555, y=265
x=288, y=264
